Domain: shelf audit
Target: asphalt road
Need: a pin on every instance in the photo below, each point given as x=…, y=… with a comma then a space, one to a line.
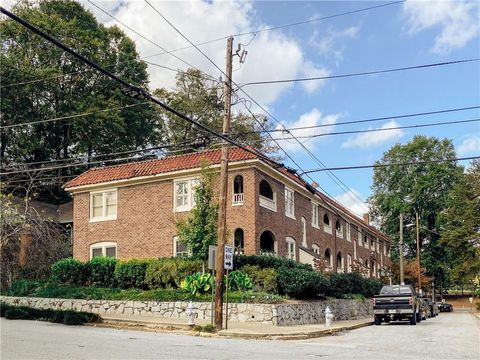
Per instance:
x=449, y=336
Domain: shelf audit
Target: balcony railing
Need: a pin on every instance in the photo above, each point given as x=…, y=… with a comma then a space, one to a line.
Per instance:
x=268, y=203
x=238, y=199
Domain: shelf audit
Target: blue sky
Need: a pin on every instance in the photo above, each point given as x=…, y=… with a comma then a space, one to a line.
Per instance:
x=406, y=34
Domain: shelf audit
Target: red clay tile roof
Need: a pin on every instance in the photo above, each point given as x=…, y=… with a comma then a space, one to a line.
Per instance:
x=153, y=167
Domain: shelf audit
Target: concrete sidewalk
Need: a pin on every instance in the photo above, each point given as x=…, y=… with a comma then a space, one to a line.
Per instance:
x=235, y=329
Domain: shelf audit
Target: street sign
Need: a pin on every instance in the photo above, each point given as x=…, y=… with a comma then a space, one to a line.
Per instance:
x=228, y=258
x=212, y=253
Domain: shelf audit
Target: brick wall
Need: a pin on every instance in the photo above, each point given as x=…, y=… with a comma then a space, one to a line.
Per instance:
x=145, y=224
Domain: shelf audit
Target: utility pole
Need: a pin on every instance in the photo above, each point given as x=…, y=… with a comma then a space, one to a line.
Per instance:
x=418, y=254
x=222, y=206
x=402, y=275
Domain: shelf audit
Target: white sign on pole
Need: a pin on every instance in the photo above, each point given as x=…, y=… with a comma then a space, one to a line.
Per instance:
x=228, y=258
x=212, y=253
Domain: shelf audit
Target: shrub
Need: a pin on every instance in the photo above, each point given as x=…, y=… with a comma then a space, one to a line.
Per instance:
x=17, y=313
x=67, y=317
x=265, y=261
x=23, y=287
x=131, y=273
x=239, y=281
x=302, y=284
x=3, y=308
x=68, y=271
x=340, y=285
x=170, y=272
x=101, y=271
x=198, y=283
x=263, y=279
x=372, y=287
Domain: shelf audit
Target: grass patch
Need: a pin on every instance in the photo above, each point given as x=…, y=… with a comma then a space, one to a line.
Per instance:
x=67, y=317
x=209, y=328
x=51, y=290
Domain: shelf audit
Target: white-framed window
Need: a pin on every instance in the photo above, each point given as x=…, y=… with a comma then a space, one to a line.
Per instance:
x=359, y=237
x=348, y=231
x=315, y=215
x=377, y=246
x=103, y=249
x=385, y=249
x=327, y=227
x=179, y=249
x=349, y=263
x=289, y=203
x=267, y=198
x=304, y=232
x=184, y=194
x=291, y=248
x=316, y=249
x=339, y=229
x=103, y=205
x=238, y=190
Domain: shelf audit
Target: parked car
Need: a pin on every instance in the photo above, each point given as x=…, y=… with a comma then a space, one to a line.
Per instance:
x=396, y=302
x=432, y=307
x=424, y=308
x=444, y=307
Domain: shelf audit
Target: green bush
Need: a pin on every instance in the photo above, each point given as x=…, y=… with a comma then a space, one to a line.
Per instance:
x=69, y=271
x=340, y=285
x=239, y=281
x=131, y=273
x=101, y=271
x=198, y=283
x=67, y=317
x=265, y=261
x=302, y=284
x=372, y=287
x=23, y=287
x=263, y=279
x=170, y=272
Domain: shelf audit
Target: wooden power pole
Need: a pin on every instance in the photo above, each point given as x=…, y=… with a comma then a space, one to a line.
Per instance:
x=418, y=254
x=222, y=206
x=400, y=251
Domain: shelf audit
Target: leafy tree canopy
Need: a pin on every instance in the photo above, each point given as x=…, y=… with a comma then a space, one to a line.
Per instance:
x=422, y=188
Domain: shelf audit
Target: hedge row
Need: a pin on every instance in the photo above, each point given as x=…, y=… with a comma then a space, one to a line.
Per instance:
x=270, y=274
x=67, y=317
x=110, y=272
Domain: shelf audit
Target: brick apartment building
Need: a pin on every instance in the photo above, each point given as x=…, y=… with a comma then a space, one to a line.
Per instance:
x=130, y=211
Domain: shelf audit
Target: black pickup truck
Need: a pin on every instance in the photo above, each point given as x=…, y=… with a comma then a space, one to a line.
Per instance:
x=396, y=302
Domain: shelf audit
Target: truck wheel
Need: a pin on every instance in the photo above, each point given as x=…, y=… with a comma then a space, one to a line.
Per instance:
x=413, y=319
x=418, y=317
x=377, y=320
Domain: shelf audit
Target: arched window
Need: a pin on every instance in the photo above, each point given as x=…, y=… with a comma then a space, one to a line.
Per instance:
x=304, y=232
x=316, y=249
x=267, y=243
x=339, y=262
x=266, y=190
x=326, y=220
x=238, y=190
x=290, y=248
x=338, y=229
x=329, y=258
x=238, y=242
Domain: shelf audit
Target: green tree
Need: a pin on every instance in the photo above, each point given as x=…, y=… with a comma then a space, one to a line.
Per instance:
x=460, y=233
x=199, y=97
x=421, y=188
x=199, y=230
x=70, y=87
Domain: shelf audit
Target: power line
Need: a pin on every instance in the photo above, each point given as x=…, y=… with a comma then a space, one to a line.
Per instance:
x=72, y=116
x=137, y=90
x=392, y=164
x=363, y=73
x=382, y=129
x=85, y=157
x=216, y=66
x=390, y=117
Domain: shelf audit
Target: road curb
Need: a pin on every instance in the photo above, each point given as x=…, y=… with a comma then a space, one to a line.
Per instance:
x=293, y=336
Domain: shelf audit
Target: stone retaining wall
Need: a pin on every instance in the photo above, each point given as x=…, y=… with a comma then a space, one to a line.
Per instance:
x=299, y=313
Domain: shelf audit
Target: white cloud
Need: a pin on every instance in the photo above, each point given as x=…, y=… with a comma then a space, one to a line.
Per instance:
x=312, y=118
x=469, y=145
x=271, y=55
x=352, y=203
x=375, y=138
x=459, y=21
x=310, y=70
x=327, y=44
